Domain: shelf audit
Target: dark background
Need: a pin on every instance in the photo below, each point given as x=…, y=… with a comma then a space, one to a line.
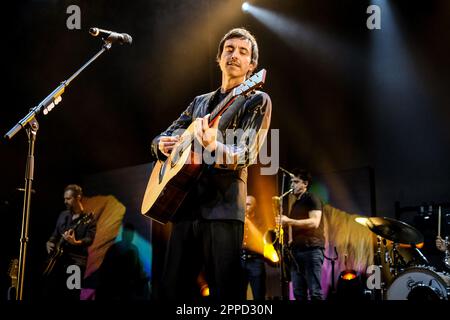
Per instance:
x=344, y=97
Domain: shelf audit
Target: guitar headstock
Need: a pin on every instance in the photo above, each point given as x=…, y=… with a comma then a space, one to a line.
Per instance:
x=84, y=219
x=87, y=218
x=254, y=82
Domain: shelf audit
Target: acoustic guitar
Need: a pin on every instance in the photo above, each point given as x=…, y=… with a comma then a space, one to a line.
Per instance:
x=171, y=180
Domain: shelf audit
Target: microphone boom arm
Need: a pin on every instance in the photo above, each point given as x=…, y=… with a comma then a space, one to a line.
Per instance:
x=290, y=174
x=53, y=98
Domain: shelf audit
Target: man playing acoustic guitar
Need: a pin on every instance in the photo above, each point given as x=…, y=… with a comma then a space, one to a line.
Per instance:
x=207, y=228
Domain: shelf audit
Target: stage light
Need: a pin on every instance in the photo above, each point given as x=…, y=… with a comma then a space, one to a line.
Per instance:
x=269, y=239
x=270, y=253
x=348, y=275
x=245, y=6
x=362, y=220
x=350, y=286
x=404, y=245
x=203, y=285
x=204, y=290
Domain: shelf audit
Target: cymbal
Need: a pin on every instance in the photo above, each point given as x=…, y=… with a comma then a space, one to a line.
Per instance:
x=394, y=230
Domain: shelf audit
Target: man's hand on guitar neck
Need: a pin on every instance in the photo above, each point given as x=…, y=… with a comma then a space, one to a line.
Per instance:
x=205, y=134
x=166, y=144
x=69, y=236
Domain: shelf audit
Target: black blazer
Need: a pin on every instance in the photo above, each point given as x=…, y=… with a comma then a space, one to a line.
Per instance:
x=221, y=190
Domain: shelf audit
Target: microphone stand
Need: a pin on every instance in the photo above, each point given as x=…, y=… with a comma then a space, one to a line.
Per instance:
x=333, y=261
x=281, y=246
x=31, y=126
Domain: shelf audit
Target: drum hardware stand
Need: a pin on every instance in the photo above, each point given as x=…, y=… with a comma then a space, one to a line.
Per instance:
x=399, y=233
x=380, y=293
x=333, y=261
x=387, y=256
x=398, y=261
x=446, y=260
x=447, y=254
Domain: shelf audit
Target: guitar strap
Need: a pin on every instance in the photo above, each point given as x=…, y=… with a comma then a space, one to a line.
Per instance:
x=215, y=100
x=229, y=115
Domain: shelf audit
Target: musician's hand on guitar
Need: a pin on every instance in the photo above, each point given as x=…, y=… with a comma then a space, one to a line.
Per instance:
x=167, y=143
x=50, y=246
x=69, y=236
x=205, y=134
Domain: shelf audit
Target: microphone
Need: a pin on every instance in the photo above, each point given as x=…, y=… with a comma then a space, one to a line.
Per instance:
x=287, y=172
x=111, y=36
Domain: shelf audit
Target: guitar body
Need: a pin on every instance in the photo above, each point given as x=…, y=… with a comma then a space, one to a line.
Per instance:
x=171, y=180
x=54, y=257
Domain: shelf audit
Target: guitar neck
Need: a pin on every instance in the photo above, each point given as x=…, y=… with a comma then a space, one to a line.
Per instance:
x=74, y=227
x=222, y=107
x=249, y=85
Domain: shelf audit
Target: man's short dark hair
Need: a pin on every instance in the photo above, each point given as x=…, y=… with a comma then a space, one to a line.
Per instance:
x=303, y=174
x=76, y=190
x=240, y=33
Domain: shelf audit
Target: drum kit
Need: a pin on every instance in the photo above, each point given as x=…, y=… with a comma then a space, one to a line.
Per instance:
x=412, y=280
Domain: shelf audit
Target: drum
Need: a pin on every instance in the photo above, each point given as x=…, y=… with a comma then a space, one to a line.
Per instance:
x=420, y=283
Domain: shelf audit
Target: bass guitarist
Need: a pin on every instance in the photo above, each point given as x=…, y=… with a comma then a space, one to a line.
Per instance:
x=207, y=229
x=68, y=245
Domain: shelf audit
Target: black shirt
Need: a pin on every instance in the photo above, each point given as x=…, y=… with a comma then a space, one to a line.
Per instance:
x=216, y=99
x=219, y=193
x=84, y=232
x=307, y=238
